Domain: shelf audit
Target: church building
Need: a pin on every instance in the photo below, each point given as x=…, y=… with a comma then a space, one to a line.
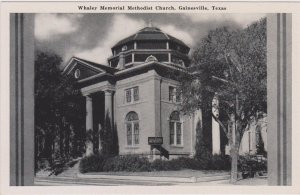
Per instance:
x=135, y=90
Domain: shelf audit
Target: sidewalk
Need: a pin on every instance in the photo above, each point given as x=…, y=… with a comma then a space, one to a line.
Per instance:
x=182, y=176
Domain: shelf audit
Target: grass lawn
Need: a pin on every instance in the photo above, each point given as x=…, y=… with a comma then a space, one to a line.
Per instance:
x=180, y=173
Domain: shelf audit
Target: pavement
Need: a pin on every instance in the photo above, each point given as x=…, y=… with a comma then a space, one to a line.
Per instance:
x=104, y=180
x=116, y=180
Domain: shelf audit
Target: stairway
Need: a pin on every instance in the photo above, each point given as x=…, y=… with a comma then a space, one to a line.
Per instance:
x=162, y=150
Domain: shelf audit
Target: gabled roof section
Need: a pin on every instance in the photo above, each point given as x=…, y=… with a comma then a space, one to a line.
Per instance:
x=99, y=68
x=83, y=69
x=107, y=69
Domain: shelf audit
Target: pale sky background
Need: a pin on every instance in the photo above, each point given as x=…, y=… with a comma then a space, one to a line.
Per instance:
x=91, y=36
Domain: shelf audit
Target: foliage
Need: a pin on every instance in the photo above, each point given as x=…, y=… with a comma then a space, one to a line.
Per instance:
x=251, y=164
x=165, y=165
x=133, y=163
x=232, y=65
x=59, y=111
x=60, y=165
x=93, y=163
x=238, y=56
x=109, y=137
x=202, y=151
x=219, y=162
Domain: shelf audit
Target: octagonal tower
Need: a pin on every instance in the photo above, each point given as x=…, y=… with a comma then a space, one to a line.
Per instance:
x=149, y=42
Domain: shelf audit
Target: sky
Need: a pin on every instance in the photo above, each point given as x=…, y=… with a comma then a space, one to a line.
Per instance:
x=91, y=36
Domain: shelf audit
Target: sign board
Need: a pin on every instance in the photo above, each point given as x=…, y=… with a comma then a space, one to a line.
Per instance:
x=155, y=140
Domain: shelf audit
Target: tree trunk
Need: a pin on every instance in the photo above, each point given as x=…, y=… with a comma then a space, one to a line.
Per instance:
x=234, y=165
x=61, y=139
x=233, y=150
x=67, y=140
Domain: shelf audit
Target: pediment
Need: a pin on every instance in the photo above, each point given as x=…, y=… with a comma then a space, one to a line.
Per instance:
x=81, y=69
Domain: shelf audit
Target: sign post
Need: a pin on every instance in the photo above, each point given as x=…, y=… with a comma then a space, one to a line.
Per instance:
x=155, y=142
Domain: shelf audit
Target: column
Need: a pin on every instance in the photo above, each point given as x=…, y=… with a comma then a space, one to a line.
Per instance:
x=21, y=107
x=169, y=57
x=132, y=57
x=279, y=44
x=108, y=104
x=89, y=112
x=216, y=145
x=135, y=45
x=89, y=125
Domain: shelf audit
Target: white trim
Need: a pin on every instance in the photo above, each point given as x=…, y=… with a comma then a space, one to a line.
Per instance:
x=77, y=73
x=131, y=95
x=135, y=82
x=175, y=67
x=175, y=132
x=140, y=51
x=133, y=145
x=94, y=76
x=170, y=82
x=131, y=104
x=84, y=63
x=134, y=45
x=97, y=87
x=175, y=97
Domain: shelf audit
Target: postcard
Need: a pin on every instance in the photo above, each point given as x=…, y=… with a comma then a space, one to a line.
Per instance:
x=149, y=97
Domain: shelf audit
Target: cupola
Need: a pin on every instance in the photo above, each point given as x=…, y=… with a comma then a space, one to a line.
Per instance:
x=149, y=41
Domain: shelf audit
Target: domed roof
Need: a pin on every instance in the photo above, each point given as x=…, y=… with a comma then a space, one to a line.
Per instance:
x=148, y=34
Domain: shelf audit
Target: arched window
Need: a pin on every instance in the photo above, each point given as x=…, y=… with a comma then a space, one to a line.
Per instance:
x=175, y=129
x=132, y=128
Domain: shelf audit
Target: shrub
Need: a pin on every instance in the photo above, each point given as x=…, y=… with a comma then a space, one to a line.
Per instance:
x=220, y=162
x=177, y=164
x=250, y=164
x=189, y=163
x=158, y=165
x=133, y=163
x=41, y=164
x=93, y=163
x=165, y=165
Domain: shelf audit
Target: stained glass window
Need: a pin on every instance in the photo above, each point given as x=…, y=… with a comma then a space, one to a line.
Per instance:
x=133, y=129
x=132, y=94
x=136, y=93
x=128, y=95
x=172, y=128
x=175, y=129
x=129, y=134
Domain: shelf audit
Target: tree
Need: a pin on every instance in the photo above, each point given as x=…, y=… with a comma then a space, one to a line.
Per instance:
x=109, y=138
x=59, y=110
x=201, y=147
x=231, y=63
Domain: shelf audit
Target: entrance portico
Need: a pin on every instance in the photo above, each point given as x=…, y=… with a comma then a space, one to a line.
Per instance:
x=89, y=92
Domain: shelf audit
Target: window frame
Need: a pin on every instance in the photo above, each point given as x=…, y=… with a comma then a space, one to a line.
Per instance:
x=176, y=98
x=134, y=134
x=134, y=97
x=124, y=48
x=175, y=131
